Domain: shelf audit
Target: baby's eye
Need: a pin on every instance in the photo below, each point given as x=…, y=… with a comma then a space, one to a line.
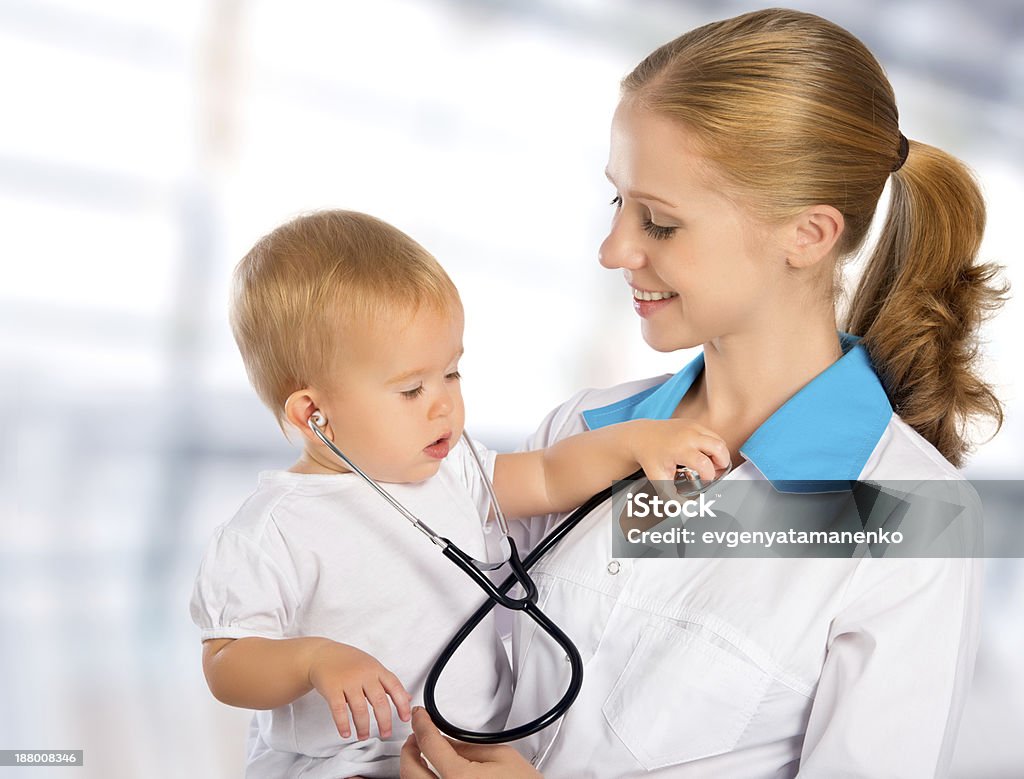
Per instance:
x=454, y=376
x=413, y=393
x=617, y=201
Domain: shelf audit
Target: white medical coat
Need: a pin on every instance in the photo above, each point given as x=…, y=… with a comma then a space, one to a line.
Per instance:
x=753, y=667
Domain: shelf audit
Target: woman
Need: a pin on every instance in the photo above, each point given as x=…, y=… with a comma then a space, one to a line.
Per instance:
x=748, y=157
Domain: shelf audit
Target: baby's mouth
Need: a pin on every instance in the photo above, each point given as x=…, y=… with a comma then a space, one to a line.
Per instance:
x=439, y=449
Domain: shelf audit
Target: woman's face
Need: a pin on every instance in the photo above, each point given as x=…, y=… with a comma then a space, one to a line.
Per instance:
x=700, y=267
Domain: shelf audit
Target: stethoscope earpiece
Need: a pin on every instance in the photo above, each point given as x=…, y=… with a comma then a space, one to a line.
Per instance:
x=318, y=418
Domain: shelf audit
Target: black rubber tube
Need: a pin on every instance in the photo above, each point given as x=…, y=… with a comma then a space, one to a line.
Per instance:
x=528, y=606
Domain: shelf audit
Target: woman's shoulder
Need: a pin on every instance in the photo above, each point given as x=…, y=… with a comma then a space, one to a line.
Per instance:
x=599, y=397
x=904, y=454
x=567, y=418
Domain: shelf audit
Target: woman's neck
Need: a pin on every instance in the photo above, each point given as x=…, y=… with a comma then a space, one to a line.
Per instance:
x=746, y=378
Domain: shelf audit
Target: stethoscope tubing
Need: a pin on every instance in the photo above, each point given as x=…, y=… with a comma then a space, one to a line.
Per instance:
x=498, y=595
x=416, y=522
x=529, y=606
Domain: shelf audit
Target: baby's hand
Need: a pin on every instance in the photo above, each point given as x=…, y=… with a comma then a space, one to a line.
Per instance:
x=659, y=446
x=348, y=678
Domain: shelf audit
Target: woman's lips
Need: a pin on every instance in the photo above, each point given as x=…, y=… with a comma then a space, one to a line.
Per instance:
x=645, y=306
x=439, y=449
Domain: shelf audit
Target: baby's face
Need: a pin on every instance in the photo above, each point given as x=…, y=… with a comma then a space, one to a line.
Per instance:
x=394, y=400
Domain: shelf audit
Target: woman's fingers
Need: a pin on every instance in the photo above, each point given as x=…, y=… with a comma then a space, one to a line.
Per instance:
x=484, y=753
x=433, y=746
x=455, y=760
x=413, y=766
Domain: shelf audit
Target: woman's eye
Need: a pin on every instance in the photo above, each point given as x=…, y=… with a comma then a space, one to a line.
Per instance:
x=413, y=393
x=617, y=201
x=657, y=232
x=454, y=376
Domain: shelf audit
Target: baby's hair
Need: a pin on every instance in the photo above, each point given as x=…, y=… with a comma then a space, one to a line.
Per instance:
x=315, y=281
x=794, y=111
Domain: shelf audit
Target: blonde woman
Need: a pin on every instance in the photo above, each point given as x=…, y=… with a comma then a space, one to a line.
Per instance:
x=747, y=158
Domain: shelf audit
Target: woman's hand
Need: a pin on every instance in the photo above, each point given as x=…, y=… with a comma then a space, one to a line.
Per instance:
x=458, y=761
x=348, y=678
x=658, y=446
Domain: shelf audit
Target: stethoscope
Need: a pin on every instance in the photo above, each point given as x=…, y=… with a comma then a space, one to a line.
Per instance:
x=498, y=594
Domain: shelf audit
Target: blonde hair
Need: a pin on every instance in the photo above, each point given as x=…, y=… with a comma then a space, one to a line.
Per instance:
x=306, y=286
x=793, y=111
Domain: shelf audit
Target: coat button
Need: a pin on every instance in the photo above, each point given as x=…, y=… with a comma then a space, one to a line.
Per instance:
x=614, y=567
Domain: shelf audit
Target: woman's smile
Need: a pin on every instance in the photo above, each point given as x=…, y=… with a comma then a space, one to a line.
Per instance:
x=647, y=302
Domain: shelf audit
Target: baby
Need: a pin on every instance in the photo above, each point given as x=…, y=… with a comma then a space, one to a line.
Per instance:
x=318, y=602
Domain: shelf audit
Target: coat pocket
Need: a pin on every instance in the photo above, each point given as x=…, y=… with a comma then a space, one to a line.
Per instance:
x=682, y=697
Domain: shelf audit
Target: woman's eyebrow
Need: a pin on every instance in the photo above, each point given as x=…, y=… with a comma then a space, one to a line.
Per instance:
x=642, y=195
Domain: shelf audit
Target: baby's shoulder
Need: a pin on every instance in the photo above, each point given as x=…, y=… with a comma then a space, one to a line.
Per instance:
x=278, y=496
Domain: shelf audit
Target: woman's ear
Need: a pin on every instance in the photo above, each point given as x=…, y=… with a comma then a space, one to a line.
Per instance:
x=812, y=236
x=300, y=405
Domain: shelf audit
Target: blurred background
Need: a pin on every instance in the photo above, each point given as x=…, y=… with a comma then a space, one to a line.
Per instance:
x=145, y=146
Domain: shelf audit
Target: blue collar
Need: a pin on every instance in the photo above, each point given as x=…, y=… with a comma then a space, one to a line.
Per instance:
x=825, y=432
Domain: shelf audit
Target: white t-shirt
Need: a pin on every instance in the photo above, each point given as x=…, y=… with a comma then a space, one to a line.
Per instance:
x=325, y=555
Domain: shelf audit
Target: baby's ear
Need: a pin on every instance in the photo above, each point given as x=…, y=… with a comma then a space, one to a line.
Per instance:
x=298, y=408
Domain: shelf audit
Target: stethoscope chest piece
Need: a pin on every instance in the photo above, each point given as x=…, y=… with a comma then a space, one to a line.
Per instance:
x=688, y=483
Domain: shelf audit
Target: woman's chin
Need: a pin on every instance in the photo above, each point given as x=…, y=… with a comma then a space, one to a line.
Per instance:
x=661, y=341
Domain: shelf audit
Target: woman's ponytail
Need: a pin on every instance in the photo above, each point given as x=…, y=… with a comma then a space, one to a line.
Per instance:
x=922, y=298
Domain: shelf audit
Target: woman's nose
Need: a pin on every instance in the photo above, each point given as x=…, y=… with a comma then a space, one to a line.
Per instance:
x=618, y=250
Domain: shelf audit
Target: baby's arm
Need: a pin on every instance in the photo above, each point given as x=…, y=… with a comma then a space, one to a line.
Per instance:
x=264, y=673
x=561, y=477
